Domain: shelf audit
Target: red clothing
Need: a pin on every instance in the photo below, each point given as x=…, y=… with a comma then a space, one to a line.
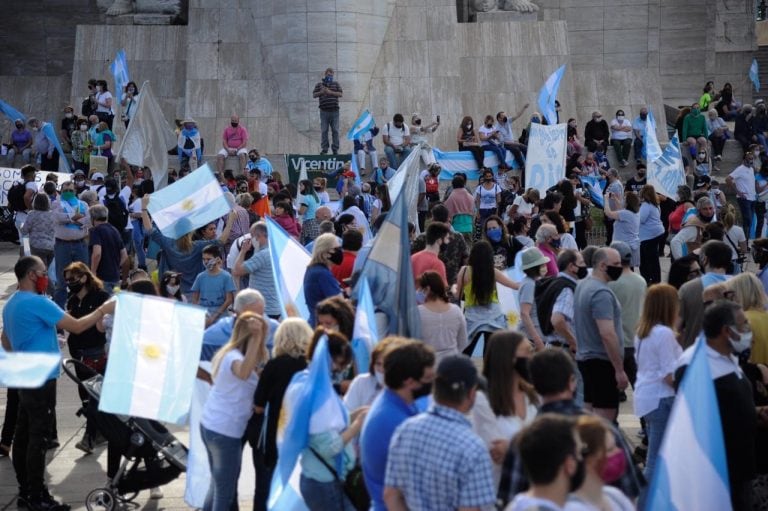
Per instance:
x=460, y=201
x=235, y=138
x=343, y=270
x=676, y=217
x=289, y=223
x=427, y=261
x=552, y=270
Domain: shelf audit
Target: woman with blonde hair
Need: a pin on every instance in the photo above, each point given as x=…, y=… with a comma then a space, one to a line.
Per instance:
x=734, y=237
x=235, y=374
x=656, y=351
x=319, y=282
x=748, y=292
x=289, y=357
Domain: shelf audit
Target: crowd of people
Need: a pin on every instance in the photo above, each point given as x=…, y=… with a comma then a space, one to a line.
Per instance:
x=422, y=427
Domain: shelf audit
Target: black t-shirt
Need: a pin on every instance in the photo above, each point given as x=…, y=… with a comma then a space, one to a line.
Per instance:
x=635, y=185
x=78, y=308
x=111, y=244
x=69, y=125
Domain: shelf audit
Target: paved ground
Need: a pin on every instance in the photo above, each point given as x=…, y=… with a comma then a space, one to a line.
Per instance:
x=71, y=474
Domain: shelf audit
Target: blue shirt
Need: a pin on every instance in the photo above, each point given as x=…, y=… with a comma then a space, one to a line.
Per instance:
x=260, y=278
x=387, y=412
x=319, y=284
x=29, y=321
x=710, y=279
x=218, y=334
x=263, y=165
x=189, y=264
x=213, y=289
x=312, y=204
x=650, y=222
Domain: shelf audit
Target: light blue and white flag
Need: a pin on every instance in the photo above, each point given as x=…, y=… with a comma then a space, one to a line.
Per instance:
x=406, y=181
x=311, y=406
x=651, y=146
x=119, y=69
x=548, y=95
x=289, y=264
x=365, y=334
x=452, y=162
x=667, y=172
x=691, y=471
x=595, y=186
x=188, y=203
x=50, y=134
x=11, y=112
x=363, y=123
x=27, y=370
x=545, y=161
x=754, y=75
x=153, y=358
x=390, y=276
x=353, y=167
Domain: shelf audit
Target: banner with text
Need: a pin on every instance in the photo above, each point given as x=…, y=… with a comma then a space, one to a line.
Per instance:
x=8, y=176
x=666, y=172
x=545, y=163
x=318, y=165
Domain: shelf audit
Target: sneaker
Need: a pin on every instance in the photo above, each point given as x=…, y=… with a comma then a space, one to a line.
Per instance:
x=324, y=152
x=155, y=493
x=45, y=502
x=718, y=157
x=85, y=444
x=98, y=440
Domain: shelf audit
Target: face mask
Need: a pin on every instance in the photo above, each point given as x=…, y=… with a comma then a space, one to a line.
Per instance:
x=19, y=126
x=68, y=115
x=337, y=256
x=417, y=122
x=581, y=272
x=75, y=287
x=210, y=265
x=488, y=124
x=702, y=156
x=695, y=111
x=743, y=343
x=614, y=272
x=598, y=119
x=535, y=120
x=620, y=118
x=83, y=127
x=572, y=124
x=504, y=119
x=131, y=90
x=379, y=378
x=35, y=128
x=706, y=218
x=577, y=479
x=80, y=183
x=614, y=467
x=421, y=296
x=328, y=78
x=521, y=367
x=494, y=234
x=643, y=116
x=41, y=285
x=469, y=126
x=757, y=154
x=67, y=196
x=554, y=243
x=254, y=158
x=424, y=390
x=172, y=290
x=233, y=124
x=641, y=175
x=99, y=88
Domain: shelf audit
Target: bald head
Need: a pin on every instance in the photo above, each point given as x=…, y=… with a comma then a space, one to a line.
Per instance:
x=603, y=258
x=323, y=213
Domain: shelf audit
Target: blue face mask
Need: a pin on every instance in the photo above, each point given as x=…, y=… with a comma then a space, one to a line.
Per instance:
x=494, y=234
x=421, y=296
x=554, y=243
x=328, y=78
x=535, y=119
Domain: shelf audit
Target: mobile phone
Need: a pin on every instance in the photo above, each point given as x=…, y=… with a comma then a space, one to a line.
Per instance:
x=438, y=118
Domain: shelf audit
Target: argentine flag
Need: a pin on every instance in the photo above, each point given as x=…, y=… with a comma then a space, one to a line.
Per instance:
x=595, y=186
x=310, y=406
x=363, y=123
x=153, y=358
x=27, y=370
x=119, y=69
x=11, y=112
x=548, y=95
x=289, y=264
x=691, y=471
x=188, y=203
x=754, y=75
x=50, y=134
x=452, y=162
x=365, y=334
x=651, y=146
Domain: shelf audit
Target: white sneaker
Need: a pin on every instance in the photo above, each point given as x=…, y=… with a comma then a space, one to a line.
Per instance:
x=155, y=493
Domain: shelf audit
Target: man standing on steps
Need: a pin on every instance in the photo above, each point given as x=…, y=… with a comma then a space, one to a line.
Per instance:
x=328, y=93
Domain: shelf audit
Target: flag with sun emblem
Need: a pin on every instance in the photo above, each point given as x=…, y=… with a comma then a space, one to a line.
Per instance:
x=188, y=203
x=153, y=358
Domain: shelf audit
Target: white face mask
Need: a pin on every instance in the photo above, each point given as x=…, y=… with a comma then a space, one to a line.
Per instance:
x=620, y=118
x=172, y=290
x=68, y=115
x=379, y=378
x=83, y=127
x=469, y=126
x=744, y=342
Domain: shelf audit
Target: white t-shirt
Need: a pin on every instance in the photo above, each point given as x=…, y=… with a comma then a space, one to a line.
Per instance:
x=744, y=179
x=487, y=197
x=396, y=136
x=735, y=235
x=656, y=357
x=229, y=405
x=523, y=207
x=523, y=502
x=485, y=131
x=621, y=135
x=234, y=251
x=102, y=98
x=130, y=106
x=616, y=500
x=362, y=391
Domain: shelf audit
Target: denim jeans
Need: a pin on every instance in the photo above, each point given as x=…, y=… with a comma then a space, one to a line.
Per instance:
x=395, y=159
x=655, y=424
x=225, y=455
x=37, y=408
x=65, y=253
x=324, y=496
x=747, y=208
x=637, y=146
x=499, y=151
x=138, y=242
x=329, y=119
x=763, y=142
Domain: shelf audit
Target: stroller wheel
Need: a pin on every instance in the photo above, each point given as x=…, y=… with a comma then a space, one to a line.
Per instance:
x=100, y=499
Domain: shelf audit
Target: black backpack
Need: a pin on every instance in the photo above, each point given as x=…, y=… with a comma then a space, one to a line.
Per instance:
x=545, y=296
x=16, y=196
x=118, y=212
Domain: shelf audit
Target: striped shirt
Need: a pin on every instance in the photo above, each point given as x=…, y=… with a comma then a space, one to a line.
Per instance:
x=328, y=103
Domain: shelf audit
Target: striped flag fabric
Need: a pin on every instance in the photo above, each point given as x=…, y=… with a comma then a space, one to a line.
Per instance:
x=754, y=75
x=595, y=186
x=27, y=370
x=365, y=334
x=11, y=112
x=310, y=406
x=50, y=134
x=452, y=162
x=363, y=123
x=153, y=358
x=119, y=69
x=548, y=95
x=691, y=470
x=651, y=146
x=289, y=264
x=188, y=203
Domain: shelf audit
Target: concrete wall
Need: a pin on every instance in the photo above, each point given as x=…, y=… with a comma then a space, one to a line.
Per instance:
x=34, y=96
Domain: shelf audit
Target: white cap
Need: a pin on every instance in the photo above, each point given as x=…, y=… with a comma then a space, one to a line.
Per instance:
x=97, y=175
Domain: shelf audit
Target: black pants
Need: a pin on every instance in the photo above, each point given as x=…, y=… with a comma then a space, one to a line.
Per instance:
x=477, y=152
x=630, y=365
x=608, y=229
x=580, y=228
x=263, y=480
x=760, y=214
x=650, y=268
x=471, y=348
x=37, y=409
x=11, y=414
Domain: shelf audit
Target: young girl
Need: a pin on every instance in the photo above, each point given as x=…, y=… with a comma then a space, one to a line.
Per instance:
x=287, y=220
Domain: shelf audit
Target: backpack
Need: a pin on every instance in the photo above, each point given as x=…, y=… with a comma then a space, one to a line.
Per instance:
x=250, y=251
x=545, y=296
x=118, y=212
x=432, y=188
x=16, y=196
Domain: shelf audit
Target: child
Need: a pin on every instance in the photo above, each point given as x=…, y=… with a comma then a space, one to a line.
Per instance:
x=214, y=288
x=285, y=218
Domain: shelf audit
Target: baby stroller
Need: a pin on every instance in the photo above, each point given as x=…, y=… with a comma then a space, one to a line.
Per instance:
x=147, y=453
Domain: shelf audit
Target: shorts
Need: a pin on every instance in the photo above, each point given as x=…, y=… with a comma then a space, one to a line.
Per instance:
x=240, y=151
x=600, y=386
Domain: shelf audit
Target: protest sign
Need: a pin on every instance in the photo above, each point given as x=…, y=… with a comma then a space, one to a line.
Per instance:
x=666, y=173
x=545, y=163
x=8, y=176
x=318, y=165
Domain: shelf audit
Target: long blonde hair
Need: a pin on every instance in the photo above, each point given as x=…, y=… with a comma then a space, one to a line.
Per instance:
x=241, y=341
x=748, y=291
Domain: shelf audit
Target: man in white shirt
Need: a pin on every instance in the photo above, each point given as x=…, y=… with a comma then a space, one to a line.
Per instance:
x=397, y=140
x=743, y=179
x=504, y=126
x=621, y=137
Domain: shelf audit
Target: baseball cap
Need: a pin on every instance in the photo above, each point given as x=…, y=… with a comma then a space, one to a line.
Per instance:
x=457, y=371
x=348, y=173
x=625, y=252
x=97, y=175
x=79, y=173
